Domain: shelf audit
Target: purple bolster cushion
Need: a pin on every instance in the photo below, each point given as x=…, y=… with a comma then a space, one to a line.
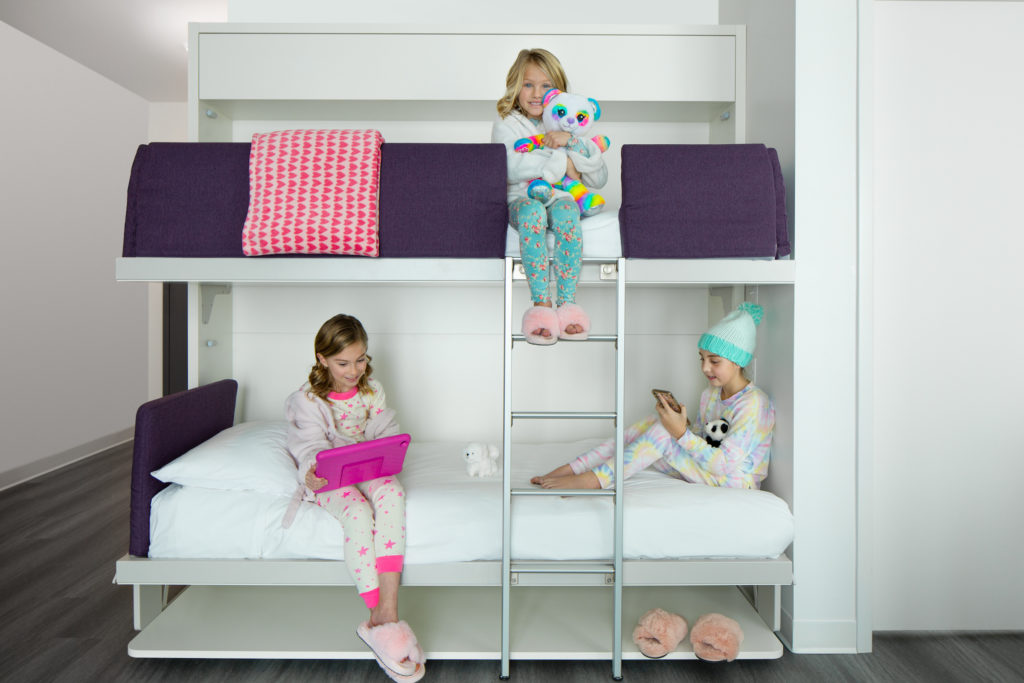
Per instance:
x=164, y=429
x=702, y=201
x=189, y=199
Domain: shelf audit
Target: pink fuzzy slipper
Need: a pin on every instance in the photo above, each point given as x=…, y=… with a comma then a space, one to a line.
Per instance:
x=540, y=318
x=715, y=638
x=659, y=632
x=395, y=649
x=572, y=314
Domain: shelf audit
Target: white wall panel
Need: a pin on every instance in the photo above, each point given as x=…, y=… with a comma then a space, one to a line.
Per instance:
x=820, y=608
x=642, y=11
x=262, y=66
x=947, y=322
x=455, y=366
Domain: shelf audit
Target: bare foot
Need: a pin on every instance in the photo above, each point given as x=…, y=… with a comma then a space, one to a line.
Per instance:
x=379, y=615
x=542, y=331
x=563, y=471
x=587, y=480
x=573, y=328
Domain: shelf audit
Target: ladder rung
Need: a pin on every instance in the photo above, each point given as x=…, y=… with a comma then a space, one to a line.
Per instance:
x=560, y=415
x=563, y=492
x=558, y=567
x=591, y=338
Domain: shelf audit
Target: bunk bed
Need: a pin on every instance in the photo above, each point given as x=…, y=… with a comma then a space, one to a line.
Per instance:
x=186, y=201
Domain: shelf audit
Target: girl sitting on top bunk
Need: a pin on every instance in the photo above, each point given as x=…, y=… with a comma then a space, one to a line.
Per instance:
x=532, y=74
x=666, y=442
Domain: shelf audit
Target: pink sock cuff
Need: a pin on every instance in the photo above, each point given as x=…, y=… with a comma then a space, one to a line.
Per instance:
x=390, y=563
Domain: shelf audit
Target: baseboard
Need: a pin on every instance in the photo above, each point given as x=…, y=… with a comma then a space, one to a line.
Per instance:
x=29, y=471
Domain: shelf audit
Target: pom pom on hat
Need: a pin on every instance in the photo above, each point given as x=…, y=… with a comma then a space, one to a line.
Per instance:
x=735, y=336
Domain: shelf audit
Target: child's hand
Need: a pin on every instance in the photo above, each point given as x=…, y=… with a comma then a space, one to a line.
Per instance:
x=556, y=139
x=314, y=482
x=673, y=422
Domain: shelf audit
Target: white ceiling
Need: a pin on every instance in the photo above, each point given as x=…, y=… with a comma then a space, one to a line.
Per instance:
x=138, y=44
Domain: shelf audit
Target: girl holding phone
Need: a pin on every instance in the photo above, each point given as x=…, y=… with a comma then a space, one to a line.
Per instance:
x=666, y=442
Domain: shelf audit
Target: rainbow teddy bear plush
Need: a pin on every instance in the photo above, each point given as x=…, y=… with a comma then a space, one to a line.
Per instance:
x=575, y=115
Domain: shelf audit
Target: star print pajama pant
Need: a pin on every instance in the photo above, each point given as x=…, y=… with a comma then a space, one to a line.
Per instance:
x=645, y=444
x=372, y=516
x=532, y=220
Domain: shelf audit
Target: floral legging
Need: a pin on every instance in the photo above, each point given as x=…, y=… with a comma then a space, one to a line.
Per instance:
x=372, y=516
x=531, y=219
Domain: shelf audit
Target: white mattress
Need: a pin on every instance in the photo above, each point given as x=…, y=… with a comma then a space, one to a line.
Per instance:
x=454, y=517
x=600, y=236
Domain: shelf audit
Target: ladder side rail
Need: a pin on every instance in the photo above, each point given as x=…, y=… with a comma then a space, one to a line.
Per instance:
x=620, y=377
x=506, y=477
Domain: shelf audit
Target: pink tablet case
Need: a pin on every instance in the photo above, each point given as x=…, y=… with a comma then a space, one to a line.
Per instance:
x=361, y=461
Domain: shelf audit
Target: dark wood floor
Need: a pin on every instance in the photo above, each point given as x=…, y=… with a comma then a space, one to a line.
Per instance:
x=61, y=618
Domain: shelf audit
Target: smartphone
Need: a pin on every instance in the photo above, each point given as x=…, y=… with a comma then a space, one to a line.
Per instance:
x=672, y=402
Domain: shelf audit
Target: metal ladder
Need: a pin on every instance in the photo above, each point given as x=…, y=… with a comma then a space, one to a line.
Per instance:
x=614, y=569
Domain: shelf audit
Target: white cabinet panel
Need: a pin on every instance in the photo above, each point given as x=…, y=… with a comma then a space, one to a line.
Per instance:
x=401, y=66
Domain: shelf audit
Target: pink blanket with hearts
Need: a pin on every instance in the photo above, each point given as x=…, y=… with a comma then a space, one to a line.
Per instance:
x=313, y=192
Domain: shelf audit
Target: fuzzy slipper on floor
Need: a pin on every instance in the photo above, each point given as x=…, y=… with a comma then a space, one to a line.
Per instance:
x=396, y=650
x=540, y=318
x=716, y=637
x=572, y=314
x=659, y=632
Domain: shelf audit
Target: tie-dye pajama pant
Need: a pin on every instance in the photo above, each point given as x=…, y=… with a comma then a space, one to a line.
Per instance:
x=532, y=220
x=372, y=516
x=645, y=444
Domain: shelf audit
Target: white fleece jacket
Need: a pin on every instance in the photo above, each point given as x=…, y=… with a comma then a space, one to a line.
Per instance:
x=311, y=426
x=548, y=164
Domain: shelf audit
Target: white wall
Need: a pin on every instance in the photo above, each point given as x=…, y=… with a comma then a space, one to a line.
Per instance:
x=74, y=358
x=771, y=33
x=948, y=459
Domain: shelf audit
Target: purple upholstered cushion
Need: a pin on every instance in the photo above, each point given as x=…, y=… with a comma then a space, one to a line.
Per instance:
x=164, y=429
x=699, y=201
x=187, y=199
x=443, y=200
x=781, y=219
x=190, y=199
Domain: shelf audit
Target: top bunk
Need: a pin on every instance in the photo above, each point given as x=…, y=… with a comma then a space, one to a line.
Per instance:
x=688, y=200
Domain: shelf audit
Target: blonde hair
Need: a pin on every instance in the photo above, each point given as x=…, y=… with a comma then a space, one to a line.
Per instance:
x=540, y=58
x=332, y=338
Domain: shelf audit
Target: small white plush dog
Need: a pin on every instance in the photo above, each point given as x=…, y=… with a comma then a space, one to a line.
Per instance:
x=481, y=459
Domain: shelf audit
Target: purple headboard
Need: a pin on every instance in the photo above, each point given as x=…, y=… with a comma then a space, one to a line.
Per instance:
x=164, y=429
x=702, y=201
x=189, y=199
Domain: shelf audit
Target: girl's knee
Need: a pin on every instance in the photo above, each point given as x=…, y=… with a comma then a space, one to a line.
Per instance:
x=357, y=515
x=565, y=210
x=528, y=213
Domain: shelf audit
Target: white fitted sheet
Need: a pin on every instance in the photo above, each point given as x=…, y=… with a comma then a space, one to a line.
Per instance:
x=454, y=517
x=600, y=236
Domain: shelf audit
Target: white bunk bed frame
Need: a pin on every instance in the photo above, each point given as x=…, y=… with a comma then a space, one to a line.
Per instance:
x=290, y=608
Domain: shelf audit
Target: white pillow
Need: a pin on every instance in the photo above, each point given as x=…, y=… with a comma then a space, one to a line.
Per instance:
x=251, y=456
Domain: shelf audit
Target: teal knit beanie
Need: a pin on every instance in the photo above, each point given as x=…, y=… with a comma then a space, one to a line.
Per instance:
x=735, y=335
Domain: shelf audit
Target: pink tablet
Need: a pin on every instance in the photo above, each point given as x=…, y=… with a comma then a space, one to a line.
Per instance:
x=361, y=461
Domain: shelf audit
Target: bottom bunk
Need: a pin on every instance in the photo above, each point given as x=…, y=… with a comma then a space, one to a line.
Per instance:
x=252, y=590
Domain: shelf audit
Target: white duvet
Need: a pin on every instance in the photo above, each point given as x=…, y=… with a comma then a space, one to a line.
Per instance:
x=453, y=517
